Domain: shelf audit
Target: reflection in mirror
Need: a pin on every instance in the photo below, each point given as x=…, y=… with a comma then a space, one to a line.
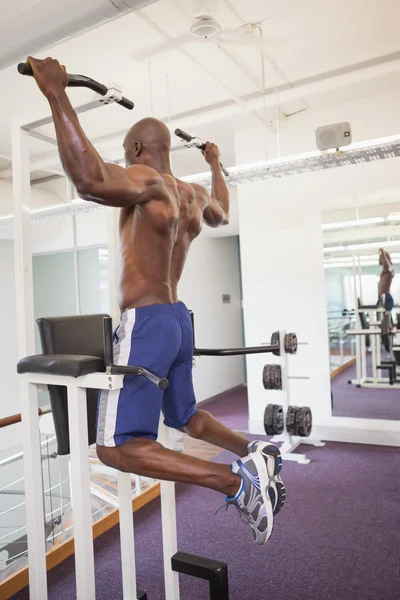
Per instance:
x=363, y=312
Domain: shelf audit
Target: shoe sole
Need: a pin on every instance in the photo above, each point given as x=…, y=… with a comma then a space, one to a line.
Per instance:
x=277, y=503
x=272, y=451
x=265, y=480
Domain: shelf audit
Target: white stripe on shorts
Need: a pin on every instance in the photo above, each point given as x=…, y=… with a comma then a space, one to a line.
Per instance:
x=121, y=356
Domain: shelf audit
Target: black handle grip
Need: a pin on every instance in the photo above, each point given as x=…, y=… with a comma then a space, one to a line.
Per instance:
x=108, y=342
x=80, y=81
x=25, y=69
x=183, y=135
x=126, y=103
x=161, y=382
x=186, y=137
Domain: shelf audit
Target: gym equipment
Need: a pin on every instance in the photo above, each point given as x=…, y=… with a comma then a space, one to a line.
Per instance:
x=290, y=343
x=386, y=328
x=214, y=571
x=272, y=377
x=74, y=380
x=78, y=373
x=274, y=421
x=275, y=341
x=195, y=142
x=112, y=94
x=273, y=348
x=299, y=421
x=373, y=326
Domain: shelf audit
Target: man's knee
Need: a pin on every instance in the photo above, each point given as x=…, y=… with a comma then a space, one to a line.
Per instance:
x=197, y=424
x=110, y=456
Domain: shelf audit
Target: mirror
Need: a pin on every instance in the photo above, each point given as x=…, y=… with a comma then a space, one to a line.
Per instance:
x=363, y=297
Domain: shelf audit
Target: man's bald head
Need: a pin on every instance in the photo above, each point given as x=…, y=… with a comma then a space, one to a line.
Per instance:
x=147, y=141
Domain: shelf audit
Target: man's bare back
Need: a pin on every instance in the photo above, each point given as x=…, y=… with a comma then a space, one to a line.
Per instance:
x=155, y=240
x=156, y=234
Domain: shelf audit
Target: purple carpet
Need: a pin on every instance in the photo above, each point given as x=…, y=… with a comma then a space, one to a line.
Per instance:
x=367, y=403
x=232, y=410
x=335, y=539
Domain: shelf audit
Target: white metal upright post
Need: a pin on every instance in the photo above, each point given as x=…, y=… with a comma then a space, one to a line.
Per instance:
x=363, y=355
x=126, y=521
x=35, y=517
x=81, y=494
x=168, y=517
x=127, y=537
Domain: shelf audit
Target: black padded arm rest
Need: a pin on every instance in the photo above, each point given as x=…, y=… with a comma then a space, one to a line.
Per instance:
x=67, y=365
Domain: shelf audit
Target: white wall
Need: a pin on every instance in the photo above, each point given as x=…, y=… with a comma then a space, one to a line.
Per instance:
x=213, y=270
x=284, y=288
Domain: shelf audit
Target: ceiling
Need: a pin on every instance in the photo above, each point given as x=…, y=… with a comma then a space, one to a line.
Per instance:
x=316, y=55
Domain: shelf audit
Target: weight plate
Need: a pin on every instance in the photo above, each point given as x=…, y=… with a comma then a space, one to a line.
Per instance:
x=272, y=377
x=303, y=421
x=290, y=420
x=276, y=341
x=273, y=419
x=290, y=343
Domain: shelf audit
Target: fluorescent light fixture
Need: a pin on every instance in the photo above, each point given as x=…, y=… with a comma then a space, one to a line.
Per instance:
x=381, y=244
x=360, y=152
x=357, y=153
x=367, y=263
x=393, y=217
x=373, y=257
x=75, y=207
x=354, y=223
x=335, y=249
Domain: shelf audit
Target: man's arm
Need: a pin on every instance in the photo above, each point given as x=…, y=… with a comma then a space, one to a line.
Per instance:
x=386, y=262
x=216, y=212
x=93, y=179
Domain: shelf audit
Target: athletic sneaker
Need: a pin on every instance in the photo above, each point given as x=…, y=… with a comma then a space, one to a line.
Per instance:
x=273, y=460
x=252, y=499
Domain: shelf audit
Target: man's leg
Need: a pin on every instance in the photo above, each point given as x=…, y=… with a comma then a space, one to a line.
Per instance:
x=145, y=457
x=204, y=426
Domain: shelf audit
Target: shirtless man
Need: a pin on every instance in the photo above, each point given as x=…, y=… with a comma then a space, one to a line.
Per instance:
x=160, y=217
x=385, y=298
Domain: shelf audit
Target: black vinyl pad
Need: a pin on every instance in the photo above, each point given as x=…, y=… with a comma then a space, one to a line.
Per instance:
x=78, y=337
x=73, y=365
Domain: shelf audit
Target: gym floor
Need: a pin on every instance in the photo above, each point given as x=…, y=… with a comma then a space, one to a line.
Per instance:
x=365, y=403
x=335, y=539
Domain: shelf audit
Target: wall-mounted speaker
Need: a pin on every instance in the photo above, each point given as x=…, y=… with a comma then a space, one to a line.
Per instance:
x=333, y=136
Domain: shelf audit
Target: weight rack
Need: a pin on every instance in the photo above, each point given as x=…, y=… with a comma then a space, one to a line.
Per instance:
x=290, y=443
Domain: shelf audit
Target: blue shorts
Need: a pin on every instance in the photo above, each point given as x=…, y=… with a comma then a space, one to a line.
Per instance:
x=160, y=338
x=386, y=300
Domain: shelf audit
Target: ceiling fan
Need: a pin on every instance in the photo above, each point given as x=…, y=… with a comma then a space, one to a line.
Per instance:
x=206, y=28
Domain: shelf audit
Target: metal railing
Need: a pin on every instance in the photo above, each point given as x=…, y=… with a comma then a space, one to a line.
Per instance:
x=57, y=502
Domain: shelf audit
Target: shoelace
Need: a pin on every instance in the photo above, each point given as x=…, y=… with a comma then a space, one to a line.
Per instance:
x=244, y=514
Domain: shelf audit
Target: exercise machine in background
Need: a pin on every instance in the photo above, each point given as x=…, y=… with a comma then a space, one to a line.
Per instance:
x=374, y=329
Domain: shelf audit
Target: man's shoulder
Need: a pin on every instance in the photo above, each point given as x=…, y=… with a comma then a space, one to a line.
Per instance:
x=142, y=171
